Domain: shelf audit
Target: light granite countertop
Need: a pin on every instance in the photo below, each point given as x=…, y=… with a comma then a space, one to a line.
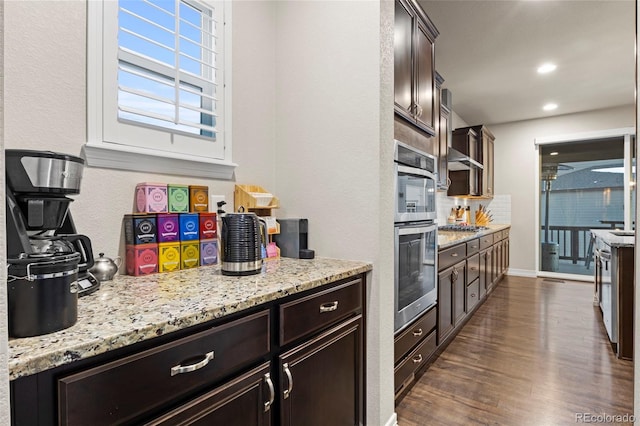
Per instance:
x=451, y=238
x=129, y=309
x=614, y=240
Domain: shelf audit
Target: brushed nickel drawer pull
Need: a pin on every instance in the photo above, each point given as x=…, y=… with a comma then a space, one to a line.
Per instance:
x=287, y=391
x=272, y=392
x=180, y=369
x=454, y=254
x=328, y=307
x=418, y=332
x=417, y=359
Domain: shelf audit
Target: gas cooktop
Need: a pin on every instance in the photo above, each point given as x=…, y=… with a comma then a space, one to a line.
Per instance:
x=461, y=228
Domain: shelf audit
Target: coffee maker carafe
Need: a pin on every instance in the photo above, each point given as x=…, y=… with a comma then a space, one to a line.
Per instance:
x=41, y=237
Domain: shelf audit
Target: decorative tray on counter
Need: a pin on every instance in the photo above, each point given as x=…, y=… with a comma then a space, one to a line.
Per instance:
x=254, y=198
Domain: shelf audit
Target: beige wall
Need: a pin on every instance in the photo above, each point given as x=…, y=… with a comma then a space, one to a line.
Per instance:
x=308, y=125
x=515, y=169
x=334, y=152
x=4, y=374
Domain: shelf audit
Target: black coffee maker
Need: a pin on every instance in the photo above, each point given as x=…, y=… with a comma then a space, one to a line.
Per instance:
x=43, y=248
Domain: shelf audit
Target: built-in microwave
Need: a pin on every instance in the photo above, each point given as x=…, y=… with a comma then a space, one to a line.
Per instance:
x=415, y=184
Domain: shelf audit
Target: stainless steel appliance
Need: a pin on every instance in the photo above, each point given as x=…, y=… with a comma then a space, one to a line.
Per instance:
x=415, y=184
x=416, y=270
x=607, y=289
x=416, y=234
x=47, y=260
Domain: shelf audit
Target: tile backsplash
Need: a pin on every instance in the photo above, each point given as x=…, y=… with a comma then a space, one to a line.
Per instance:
x=499, y=206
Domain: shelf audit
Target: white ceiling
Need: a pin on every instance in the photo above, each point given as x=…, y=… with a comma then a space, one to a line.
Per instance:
x=488, y=52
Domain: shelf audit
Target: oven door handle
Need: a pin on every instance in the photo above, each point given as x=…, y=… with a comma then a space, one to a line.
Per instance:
x=419, y=229
x=416, y=172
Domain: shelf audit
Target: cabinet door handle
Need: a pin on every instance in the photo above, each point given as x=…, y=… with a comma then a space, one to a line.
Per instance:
x=289, y=388
x=417, y=333
x=417, y=359
x=329, y=307
x=180, y=369
x=272, y=392
x=454, y=254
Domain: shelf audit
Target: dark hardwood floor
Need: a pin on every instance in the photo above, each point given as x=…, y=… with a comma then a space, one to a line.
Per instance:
x=535, y=353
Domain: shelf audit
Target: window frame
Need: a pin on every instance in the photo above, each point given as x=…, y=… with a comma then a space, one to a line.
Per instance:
x=107, y=137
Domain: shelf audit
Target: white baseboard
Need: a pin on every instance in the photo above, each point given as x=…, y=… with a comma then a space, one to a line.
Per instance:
x=393, y=420
x=521, y=273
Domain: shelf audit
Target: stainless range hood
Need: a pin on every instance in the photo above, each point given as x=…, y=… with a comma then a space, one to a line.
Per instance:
x=460, y=161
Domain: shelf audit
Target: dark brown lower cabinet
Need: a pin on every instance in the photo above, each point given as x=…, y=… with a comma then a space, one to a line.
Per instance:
x=482, y=276
x=125, y=390
x=245, y=401
x=446, y=320
x=413, y=346
x=294, y=361
x=459, y=286
x=320, y=379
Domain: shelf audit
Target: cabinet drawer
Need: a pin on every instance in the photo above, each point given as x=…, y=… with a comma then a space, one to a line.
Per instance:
x=486, y=241
x=317, y=311
x=505, y=234
x=405, y=371
x=473, y=268
x=473, y=247
x=239, y=402
x=473, y=295
x=451, y=256
x=136, y=385
x=413, y=334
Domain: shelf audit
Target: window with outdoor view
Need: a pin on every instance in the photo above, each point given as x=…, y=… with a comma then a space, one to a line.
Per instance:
x=584, y=185
x=162, y=82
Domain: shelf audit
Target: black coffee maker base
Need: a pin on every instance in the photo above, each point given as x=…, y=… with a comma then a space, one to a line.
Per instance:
x=87, y=284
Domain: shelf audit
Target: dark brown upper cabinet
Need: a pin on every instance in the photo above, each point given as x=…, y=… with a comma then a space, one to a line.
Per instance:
x=486, y=139
x=465, y=181
x=443, y=132
x=414, y=71
x=477, y=142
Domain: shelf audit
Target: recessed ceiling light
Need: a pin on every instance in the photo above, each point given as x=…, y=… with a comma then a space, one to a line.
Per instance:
x=550, y=107
x=553, y=153
x=546, y=68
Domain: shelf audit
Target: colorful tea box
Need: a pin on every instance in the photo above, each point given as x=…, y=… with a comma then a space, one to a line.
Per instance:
x=208, y=252
x=189, y=226
x=168, y=257
x=140, y=229
x=168, y=226
x=178, y=198
x=189, y=254
x=151, y=198
x=208, y=226
x=142, y=259
x=198, y=198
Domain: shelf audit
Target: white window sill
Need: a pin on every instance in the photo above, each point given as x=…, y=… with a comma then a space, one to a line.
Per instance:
x=114, y=156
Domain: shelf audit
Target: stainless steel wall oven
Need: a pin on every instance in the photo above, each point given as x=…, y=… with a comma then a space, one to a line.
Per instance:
x=416, y=234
